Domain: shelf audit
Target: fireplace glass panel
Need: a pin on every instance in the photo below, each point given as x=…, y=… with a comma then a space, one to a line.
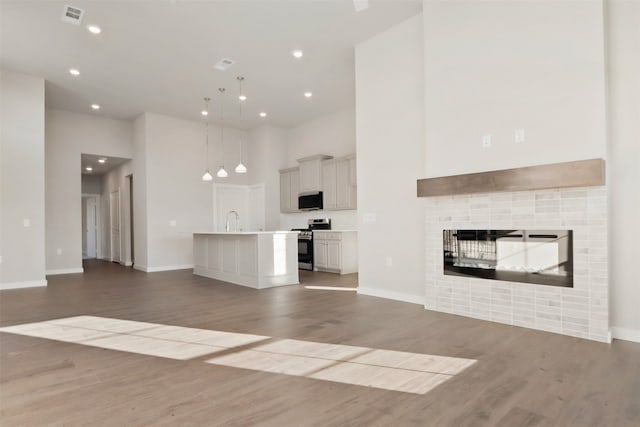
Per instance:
x=543, y=257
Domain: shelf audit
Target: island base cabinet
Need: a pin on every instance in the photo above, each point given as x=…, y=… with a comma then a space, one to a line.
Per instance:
x=258, y=260
x=335, y=251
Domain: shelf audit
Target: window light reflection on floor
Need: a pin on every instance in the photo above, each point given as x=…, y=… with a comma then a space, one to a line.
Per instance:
x=363, y=366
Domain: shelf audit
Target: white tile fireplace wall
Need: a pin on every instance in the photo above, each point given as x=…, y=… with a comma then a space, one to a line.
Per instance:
x=581, y=311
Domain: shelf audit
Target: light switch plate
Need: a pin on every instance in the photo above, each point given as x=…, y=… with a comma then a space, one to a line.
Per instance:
x=370, y=217
x=173, y=223
x=26, y=222
x=486, y=141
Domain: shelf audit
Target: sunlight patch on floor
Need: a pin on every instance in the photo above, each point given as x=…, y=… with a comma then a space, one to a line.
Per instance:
x=363, y=366
x=151, y=339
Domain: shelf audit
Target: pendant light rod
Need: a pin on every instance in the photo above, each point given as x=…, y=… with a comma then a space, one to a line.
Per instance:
x=221, y=172
x=207, y=175
x=241, y=168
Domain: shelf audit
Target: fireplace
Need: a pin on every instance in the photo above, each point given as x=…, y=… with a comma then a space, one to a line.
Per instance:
x=543, y=257
x=580, y=310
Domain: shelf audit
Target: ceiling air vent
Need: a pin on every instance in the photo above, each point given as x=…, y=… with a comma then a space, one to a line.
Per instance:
x=224, y=64
x=72, y=14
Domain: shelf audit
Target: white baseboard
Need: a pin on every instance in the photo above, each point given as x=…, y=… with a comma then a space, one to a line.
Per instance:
x=128, y=264
x=19, y=285
x=397, y=296
x=625, y=334
x=162, y=268
x=64, y=271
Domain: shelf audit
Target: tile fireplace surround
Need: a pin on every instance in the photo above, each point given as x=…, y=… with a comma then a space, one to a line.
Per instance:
x=581, y=311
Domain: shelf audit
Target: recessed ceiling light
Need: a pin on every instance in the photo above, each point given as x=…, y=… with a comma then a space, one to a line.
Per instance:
x=308, y=94
x=204, y=112
x=94, y=29
x=102, y=160
x=88, y=168
x=95, y=106
x=263, y=114
x=297, y=53
x=242, y=97
x=74, y=71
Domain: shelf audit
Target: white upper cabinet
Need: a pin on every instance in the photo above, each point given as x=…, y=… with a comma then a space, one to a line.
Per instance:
x=329, y=189
x=339, y=191
x=311, y=173
x=336, y=178
x=352, y=170
x=289, y=189
x=294, y=177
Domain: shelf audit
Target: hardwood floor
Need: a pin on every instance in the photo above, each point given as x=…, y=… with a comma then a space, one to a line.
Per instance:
x=520, y=378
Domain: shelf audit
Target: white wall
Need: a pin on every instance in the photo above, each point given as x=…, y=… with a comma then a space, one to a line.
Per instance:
x=91, y=184
x=21, y=180
x=67, y=136
x=139, y=164
x=247, y=200
x=114, y=180
x=174, y=150
x=494, y=66
x=390, y=157
x=266, y=155
x=334, y=135
x=623, y=29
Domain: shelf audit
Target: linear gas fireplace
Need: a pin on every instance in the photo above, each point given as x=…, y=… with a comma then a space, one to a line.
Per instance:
x=543, y=257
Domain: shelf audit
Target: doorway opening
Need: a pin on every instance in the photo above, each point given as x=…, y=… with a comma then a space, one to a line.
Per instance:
x=107, y=197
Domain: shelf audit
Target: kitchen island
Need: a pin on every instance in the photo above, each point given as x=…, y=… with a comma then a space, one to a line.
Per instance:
x=259, y=259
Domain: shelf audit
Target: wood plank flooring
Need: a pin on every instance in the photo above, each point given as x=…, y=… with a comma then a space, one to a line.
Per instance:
x=520, y=378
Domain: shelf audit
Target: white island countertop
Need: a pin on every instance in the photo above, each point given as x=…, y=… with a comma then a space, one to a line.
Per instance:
x=245, y=232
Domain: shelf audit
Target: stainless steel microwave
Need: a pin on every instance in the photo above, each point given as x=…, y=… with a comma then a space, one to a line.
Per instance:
x=311, y=201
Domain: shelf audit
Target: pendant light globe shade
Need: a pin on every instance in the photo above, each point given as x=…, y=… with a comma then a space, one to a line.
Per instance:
x=241, y=168
x=222, y=173
x=207, y=176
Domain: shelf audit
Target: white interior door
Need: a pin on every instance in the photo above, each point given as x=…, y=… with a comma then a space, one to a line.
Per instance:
x=91, y=227
x=115, y=225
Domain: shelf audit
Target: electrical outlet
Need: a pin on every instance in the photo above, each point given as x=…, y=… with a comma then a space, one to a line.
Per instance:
x=59, y=251
x=388, y=262
x=519, y=135
x=370, y=217
x=26, y=222
x=486, y=141
x=173, y=223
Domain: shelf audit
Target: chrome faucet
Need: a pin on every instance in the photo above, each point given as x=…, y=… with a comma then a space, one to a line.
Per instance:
x=227, y=228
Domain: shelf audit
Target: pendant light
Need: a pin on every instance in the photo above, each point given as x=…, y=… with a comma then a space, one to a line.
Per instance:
x=221, y=172
x=241, y=168
x=207, y=175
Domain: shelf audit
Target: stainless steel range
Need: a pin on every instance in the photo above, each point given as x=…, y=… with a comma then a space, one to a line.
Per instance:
x=305, y=241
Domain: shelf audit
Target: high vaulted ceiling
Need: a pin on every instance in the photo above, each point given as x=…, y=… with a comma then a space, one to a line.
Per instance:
x=158, y=55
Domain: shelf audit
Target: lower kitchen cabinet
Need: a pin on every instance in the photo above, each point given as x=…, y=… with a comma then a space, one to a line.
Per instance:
x=335, y=251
